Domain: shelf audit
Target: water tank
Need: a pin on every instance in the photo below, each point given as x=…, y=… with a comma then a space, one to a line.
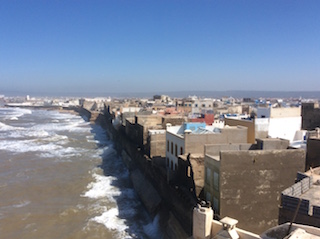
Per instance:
x=202, y=222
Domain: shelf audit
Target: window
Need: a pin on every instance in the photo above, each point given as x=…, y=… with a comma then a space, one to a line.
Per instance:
x=196, y=105
x=208, y=197
x=171, y=148
x=208, y=175
x=175, y=167
x=167, y=162
x=203, y=105
x=181, y=150
x=216, y=204
x=176, y=150
x=171, y=165
x=216, y=180
x=168, y=145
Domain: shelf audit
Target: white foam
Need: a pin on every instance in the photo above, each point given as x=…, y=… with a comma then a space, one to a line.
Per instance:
x=49, y=149
x=61, y=139
x=18, y=112
x=63, y=116
x=102, y=188
x=5, y=127
x=69, y=127
x=16, y=133
x=62, y=152
x=93, y=141
x=21, y=204
x=14, y=113
x=20, y=132
x=17, y=146
x=152, y=229
x=103, y=152
x=110, y=219
x=33, y=133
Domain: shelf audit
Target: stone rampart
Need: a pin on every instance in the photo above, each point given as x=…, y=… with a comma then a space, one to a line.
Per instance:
x=174, y=205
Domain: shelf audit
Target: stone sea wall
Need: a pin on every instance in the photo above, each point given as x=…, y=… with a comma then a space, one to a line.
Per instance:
x=149, y=181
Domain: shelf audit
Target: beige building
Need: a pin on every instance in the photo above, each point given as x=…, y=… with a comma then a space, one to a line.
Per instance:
x=190, y=138
x=146, y=131
x=284, y=123
x=245, y=184
x=248, y=123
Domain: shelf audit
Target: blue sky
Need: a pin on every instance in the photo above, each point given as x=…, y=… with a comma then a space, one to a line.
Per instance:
x=138, y=46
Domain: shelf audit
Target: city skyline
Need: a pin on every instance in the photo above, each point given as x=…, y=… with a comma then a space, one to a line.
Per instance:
x=144, y=46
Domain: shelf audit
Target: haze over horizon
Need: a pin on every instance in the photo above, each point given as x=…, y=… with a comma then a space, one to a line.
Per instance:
x=68, y=47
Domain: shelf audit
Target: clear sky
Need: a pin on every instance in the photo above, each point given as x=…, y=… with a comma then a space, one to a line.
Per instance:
x=158, y=45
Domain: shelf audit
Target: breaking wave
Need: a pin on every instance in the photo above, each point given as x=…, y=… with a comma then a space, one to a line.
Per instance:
x=108, y=196
x=13, y=113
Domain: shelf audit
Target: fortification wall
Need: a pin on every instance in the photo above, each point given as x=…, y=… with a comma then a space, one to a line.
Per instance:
x=175, y=207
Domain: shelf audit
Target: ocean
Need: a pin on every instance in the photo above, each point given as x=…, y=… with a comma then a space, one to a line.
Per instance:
x=60, y=177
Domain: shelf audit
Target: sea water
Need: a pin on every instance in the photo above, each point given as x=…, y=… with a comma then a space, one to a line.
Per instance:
x=61, y=178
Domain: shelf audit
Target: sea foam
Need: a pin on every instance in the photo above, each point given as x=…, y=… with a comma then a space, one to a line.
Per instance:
x=110, y=219
x=152, y=229
x=15, y=113
x=102, y=187
x=21, y=204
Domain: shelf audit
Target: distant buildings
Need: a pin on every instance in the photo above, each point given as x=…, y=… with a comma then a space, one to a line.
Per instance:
x=240, y=166
x=284, y=123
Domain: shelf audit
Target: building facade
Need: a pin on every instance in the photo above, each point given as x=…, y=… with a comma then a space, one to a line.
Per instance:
x=310, y=113
x=246, y=184
x=190, y=138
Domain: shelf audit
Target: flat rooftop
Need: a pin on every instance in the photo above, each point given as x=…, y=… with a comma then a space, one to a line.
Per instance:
x=313, y=194
x=297, y=232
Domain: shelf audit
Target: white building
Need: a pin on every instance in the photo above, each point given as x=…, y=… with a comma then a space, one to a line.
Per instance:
x=191, y=137
x=201, y=105
x=284, y=123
